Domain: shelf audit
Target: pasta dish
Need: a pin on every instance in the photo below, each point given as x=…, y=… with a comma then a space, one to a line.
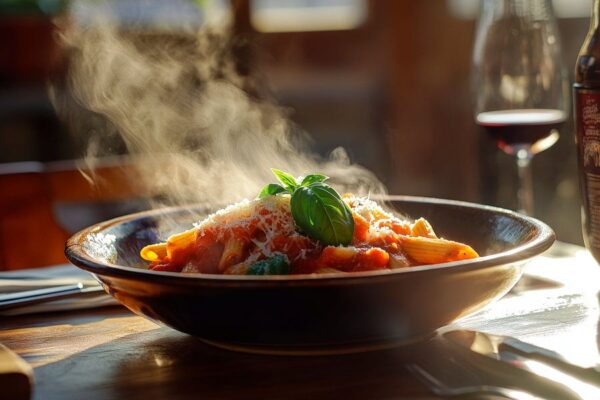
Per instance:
x=303, y=228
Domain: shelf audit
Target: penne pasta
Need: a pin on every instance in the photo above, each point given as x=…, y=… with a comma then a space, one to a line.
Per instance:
x=340, y=253
x=232, y=253
x=237, y=269
x=154, y=252
x=433, y=251
x=181, y=240
x=422, y=228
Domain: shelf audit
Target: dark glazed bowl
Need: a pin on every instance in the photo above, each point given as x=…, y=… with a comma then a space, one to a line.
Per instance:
x=305, y=313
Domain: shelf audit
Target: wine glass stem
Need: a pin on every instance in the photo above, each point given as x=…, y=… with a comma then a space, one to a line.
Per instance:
x=525, y=193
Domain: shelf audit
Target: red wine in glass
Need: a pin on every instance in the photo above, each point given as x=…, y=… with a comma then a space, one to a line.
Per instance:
x=532, y=129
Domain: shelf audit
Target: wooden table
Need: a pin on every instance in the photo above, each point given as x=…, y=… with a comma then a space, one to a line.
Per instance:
x=111, y=353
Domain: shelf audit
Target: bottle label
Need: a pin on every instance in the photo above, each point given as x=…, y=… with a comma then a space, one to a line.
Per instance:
x=587, y=122
x=587, y=108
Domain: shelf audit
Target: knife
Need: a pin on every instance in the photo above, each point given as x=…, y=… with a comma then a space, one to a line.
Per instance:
x=533, y=359
x=28, y=297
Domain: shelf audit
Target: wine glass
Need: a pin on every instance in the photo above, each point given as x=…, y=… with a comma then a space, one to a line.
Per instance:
x=519, y=82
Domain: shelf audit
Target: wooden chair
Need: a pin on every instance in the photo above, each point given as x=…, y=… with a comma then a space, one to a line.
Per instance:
x=41, y=205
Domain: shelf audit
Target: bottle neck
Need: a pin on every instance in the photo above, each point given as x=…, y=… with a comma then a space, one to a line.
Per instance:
x=595, y=15
x=587, y=70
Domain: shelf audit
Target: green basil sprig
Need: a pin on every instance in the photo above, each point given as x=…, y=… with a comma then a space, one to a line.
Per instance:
x=317, y=208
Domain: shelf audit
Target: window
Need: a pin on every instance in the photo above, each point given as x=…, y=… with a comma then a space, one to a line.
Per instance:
x=154, y=14
x=468, y=9
x=307, y=15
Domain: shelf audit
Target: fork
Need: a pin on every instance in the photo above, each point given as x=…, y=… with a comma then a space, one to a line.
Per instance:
x=444, y=390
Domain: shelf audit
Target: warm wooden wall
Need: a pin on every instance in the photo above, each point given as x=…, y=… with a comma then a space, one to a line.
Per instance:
x=394, y=92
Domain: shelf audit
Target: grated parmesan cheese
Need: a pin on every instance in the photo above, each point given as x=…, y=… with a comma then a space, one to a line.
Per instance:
x=271, y=215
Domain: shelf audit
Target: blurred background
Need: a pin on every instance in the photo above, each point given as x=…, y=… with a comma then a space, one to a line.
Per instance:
x=387, y=80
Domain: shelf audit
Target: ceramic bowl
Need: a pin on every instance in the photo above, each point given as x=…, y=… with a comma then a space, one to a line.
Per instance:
x=324, y=313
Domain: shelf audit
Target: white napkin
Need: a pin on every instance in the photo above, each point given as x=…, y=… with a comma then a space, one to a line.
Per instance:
x=38, y=278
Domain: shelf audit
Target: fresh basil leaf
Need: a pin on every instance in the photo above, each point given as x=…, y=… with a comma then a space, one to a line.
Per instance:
x=321, y=213
x=285, y=178
x=270, y=190
x=308, y=179
x=275, y=265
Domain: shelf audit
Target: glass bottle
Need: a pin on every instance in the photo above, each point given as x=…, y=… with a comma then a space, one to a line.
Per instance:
x=586, y=100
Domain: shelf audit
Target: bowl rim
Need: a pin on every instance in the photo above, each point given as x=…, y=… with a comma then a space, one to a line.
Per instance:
x=76, y=254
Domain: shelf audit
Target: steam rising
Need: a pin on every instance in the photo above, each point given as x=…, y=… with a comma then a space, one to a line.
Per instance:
x=178, y=105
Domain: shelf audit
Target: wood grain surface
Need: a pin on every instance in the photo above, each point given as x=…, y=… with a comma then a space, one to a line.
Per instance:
x=110, y=353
